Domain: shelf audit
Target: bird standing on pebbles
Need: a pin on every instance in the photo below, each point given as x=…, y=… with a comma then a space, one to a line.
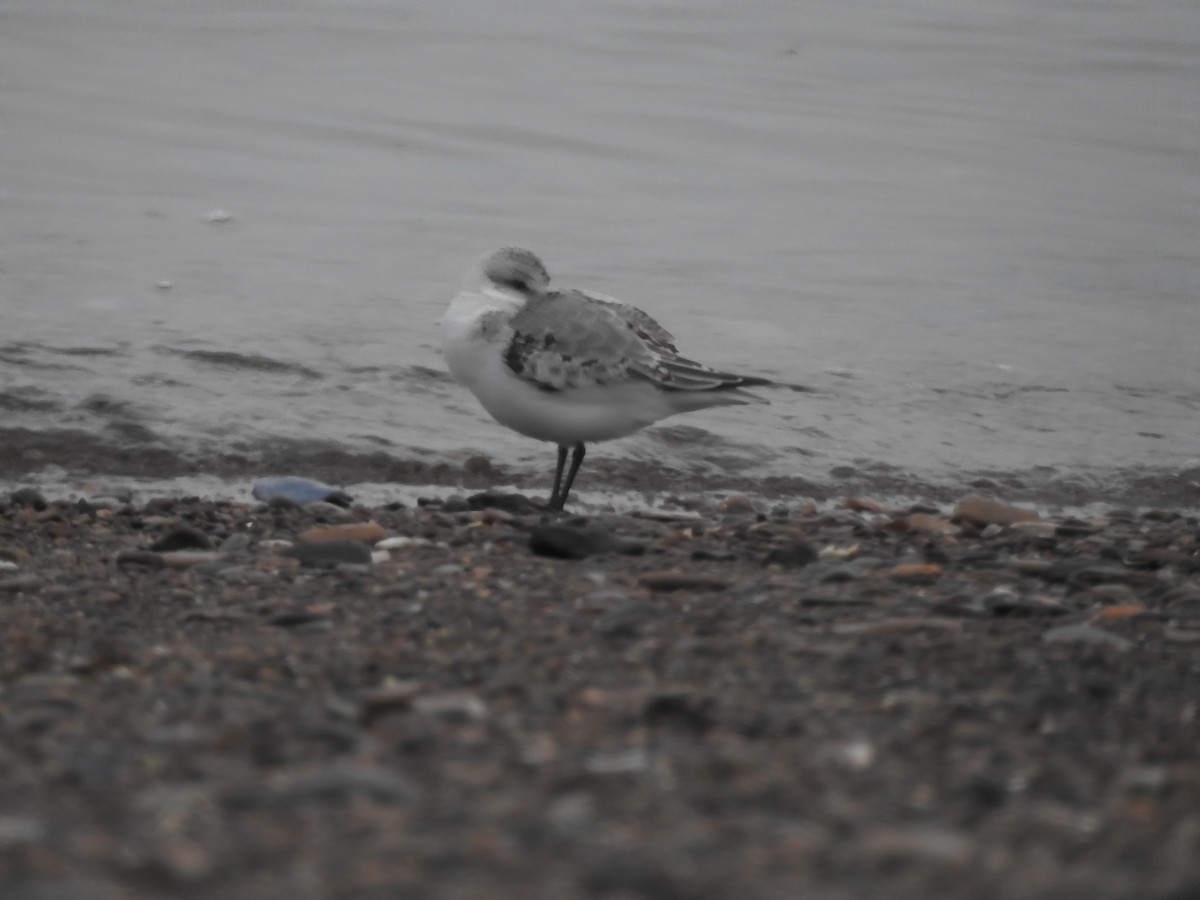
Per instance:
x=567, y=366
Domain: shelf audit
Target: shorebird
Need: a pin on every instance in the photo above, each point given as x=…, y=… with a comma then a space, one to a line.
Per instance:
x=567, y=366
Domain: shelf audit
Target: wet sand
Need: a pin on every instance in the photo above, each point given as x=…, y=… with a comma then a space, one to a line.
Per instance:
x=214, y=699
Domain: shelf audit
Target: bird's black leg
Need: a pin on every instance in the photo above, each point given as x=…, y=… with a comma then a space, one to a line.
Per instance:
x=576, y=462
x=555, y=501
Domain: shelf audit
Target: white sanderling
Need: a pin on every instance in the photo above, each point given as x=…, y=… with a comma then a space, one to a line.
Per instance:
x=567, y=366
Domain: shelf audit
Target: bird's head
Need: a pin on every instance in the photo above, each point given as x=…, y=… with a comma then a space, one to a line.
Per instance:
x=516, y=270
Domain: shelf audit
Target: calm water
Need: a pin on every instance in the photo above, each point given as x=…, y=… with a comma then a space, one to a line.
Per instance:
x=973, y=228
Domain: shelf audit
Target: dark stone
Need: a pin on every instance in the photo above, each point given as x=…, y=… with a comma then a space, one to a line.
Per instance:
x=1061, y=571
x=689, y=712
x=146, y=558
x=1007, y=605
x=837, y=574
x=182, y=537
x=793, y=555
x=1072, y=528
x=933, y=552
x=455, y=503
x=1088, y=576
x=513, y=503
x=574, y=542
x=329, y=554
x=481, y=467
x=294, y=617
x=28, y=497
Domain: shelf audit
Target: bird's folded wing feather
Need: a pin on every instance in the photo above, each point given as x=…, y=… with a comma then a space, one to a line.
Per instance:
x=570, y=339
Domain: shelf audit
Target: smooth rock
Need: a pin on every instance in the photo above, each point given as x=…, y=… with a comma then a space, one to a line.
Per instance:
x=628, y=620
x=24, y=497
x=301, y=615
x=185, y=559
x=1181, y=635
x=1007, y=603
x=512, y=503
x=1062, y=571
x=301, y=491
x=983, y=512
x=576, y=542
x=460, y=706
x=715, y=554
x=391, y=694
x=346, y=779
x=897, y=626
x=144, y=558
x=675, y=580
x=182, y=537
x=237, y=543
x=1086, y=634
x=890, y=845
x=1100, y=574
x=793, y=555
x=364, y=532
x=18, y=583
x=916, y=573
x=330, y=553
x=123, y=495
x=737, y=504
x=861, y=504
x=1119, y=612
x=928, y=524
x=1036, y=528
x=402, y=540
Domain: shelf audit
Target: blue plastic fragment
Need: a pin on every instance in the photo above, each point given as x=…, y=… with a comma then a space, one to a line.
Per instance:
x=299, y=490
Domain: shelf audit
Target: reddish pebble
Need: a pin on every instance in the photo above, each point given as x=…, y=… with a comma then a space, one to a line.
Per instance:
x=1114, y=613
x=927, y=524
x=364, y=532
x=857, y=503
x=916, y=572
x=737, y=503
x=982, y=511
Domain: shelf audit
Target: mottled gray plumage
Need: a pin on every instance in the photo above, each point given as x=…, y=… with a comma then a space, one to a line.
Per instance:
x=565, y=339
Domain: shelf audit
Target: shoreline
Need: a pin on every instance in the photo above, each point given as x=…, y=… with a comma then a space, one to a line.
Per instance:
x=66, y=461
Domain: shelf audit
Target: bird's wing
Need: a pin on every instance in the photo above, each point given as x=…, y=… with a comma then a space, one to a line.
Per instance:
x=565, y=339
x=642, y=323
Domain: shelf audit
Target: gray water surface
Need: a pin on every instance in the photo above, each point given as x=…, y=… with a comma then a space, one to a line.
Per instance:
x=972, y=228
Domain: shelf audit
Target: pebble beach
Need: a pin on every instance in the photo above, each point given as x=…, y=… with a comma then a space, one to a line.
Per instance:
x=468, y=697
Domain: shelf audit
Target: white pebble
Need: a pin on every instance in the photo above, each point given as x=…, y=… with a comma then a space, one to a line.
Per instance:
x=400, y=540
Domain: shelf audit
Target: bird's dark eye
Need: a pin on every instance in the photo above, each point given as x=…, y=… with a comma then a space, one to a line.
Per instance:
x=516, y=283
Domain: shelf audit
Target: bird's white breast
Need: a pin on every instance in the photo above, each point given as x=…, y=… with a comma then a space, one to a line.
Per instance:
x=475, y=336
